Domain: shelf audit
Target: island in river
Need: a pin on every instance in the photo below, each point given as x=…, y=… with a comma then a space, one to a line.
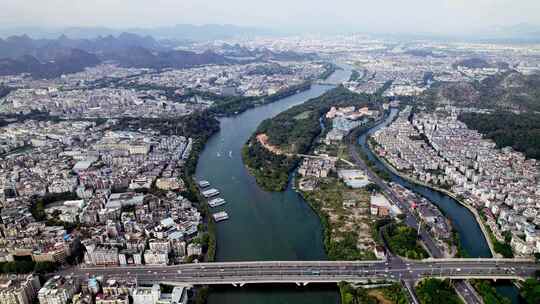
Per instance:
x=272, y=151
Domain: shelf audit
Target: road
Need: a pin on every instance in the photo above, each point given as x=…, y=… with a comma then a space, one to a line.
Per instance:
x=303, y=272
x=410, y=219
x=467, y=292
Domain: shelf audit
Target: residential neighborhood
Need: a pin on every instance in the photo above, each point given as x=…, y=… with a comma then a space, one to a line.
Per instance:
x=501, y=184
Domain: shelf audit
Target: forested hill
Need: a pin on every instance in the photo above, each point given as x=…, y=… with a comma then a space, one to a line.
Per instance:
x=519, y=131
x=506, y=91
x=293, y=132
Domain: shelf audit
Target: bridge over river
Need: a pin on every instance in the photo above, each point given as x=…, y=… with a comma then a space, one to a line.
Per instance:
x=305, y=272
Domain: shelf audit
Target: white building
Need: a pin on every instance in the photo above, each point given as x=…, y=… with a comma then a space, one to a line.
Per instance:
x=146, y=295
x=156, y=257
x=58, y=290
x=194, y=249
x=153, y=295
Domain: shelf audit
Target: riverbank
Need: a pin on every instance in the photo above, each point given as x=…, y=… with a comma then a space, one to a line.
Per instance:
x=488, y=292
x=473, y=210
x=235, y=105
x=330, y=68
x=373, y=294
x=193, y=194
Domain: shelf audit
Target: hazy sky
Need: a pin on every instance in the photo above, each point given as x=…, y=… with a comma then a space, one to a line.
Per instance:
x=359, y=15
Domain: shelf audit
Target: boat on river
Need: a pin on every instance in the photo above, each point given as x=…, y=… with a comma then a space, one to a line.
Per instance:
x=220, y=216
x=216, y=202
x=204, y=183
x=210, y=193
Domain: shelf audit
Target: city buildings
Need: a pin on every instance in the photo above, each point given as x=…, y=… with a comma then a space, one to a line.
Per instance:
x=77, y=166
x=18, y=289
x=441, y=151
x=58, y=290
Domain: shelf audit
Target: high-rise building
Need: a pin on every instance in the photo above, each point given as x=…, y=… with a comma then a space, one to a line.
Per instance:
x=18, y=289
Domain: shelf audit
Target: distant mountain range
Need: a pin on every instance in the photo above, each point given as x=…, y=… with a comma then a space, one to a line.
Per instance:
x=47, y=58
x=68, y=61
x=48, y=49
x=180, y=32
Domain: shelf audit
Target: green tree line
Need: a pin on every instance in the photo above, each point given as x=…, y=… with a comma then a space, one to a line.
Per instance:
x=21, y=267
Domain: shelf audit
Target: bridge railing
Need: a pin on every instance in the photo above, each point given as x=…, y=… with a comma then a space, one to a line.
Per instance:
x=512, y=260
x=288, y=263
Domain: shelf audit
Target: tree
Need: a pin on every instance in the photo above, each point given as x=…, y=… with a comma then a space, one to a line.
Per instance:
x=489, y=293
x=373, y=187
x=354, y=295
x=403, y=240
x=531, y=291
x=435, y=291
x=45, y=267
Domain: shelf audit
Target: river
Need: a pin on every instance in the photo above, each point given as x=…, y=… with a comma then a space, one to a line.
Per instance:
x=262, y=225
x=281, y=226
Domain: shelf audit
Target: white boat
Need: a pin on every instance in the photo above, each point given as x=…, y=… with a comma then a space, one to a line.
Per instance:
x=210, y=192
x=220, y=216
x=204, y=184
x=230, y=153
x=217, y=202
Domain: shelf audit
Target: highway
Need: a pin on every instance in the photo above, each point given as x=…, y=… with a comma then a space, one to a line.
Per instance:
x=304, y=272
